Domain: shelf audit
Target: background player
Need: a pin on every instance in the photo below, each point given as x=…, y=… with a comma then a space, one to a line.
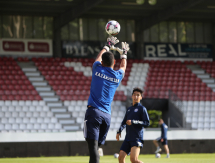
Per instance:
x=162, y=139
x=104, y=83
x=136, y=118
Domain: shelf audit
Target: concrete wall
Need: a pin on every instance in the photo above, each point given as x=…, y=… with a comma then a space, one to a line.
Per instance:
x=72, y=143
x=37, y=149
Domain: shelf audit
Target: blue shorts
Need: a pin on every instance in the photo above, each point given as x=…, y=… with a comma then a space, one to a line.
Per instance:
x=96, y=124
x=127, y=145
x=165, y=142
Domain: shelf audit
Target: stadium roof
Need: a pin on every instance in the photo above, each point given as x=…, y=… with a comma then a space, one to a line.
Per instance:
x=67, y=10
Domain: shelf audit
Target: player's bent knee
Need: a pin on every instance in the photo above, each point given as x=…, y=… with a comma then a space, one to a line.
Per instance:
x=134, y=160
x=122, y=156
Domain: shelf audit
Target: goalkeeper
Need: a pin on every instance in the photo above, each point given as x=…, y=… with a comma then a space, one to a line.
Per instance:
x=104, y=83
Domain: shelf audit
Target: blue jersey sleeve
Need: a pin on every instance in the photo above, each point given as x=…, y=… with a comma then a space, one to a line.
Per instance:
x=145, y=119
x=123, y=124
x=95, y=64
x=121, y=73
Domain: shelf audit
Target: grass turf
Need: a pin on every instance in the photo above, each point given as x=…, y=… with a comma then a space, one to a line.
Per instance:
x=175, y=158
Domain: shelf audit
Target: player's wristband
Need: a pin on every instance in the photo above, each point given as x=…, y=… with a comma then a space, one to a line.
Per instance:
x=123, y=56
x=106, y=48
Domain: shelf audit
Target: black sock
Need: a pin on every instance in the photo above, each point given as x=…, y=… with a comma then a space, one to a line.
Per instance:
x=93, y=149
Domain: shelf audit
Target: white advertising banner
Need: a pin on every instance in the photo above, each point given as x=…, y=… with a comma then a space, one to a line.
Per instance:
x=26, y=47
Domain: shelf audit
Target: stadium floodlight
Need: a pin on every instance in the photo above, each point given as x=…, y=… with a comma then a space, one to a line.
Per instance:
x=140, y=2
x=152, y=2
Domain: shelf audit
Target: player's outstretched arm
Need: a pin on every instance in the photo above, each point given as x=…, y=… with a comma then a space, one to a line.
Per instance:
x=123, y=64
x=111, y=41
x=123, y=55
x=99, y=56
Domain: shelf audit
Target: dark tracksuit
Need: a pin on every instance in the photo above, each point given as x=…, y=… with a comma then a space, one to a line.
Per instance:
x=134, y=132
x=164, y=129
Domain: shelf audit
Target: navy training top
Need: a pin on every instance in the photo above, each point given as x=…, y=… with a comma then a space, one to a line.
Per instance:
x=164, y=129
x=139, y=119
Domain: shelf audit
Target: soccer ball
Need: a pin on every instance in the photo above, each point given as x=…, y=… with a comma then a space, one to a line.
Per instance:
x=157, y=155
x=116, y=155
x=112, y=27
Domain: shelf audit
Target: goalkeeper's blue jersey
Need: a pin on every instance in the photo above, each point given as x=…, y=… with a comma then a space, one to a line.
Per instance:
x=139, y=119
x=104, y=83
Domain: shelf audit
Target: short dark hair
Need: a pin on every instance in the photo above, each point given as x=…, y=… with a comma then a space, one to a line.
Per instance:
x=107, y=59
x=136, y=89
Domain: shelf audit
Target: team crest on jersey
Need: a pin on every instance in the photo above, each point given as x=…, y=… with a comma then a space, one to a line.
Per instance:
x=135, y=110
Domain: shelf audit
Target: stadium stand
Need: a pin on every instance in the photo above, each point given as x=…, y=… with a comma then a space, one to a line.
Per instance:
x=60, y=95
x=14, y=83
x=27, y=116
x=22, y=108
x=55, y=99
x=175, y=75
x=189, y=83
x=207, y=73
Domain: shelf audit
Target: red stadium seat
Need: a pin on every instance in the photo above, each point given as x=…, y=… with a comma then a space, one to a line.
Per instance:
x=17, y=97
x=1, y=92
x=67, y=87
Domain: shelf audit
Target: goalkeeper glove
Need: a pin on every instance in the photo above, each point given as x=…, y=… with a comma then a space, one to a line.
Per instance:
x=111, y=41
x=124, y=50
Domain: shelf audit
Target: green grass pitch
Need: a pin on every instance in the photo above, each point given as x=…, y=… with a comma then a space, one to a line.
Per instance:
x=175, y=158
